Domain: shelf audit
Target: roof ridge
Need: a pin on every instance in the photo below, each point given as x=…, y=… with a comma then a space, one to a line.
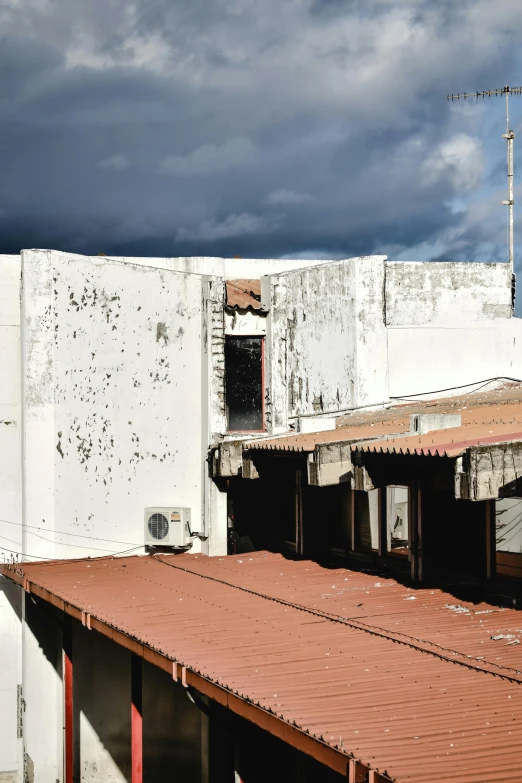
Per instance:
x=421, y=645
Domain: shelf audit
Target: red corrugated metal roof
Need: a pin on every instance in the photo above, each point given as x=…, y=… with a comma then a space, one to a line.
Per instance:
x=410, y=681
x=494, y=415
x=244, y=294
x=441, y=444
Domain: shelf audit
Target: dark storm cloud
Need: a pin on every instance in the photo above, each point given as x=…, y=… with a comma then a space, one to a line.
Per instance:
x=222, y=127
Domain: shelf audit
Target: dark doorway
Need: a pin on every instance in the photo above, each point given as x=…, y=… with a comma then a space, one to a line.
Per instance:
x=267, y=510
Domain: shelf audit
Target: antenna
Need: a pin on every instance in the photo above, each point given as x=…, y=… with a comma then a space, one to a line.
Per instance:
x=509, y=135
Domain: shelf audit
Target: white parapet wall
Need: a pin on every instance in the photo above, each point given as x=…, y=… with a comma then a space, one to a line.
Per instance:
x=420, y=293
x=449, y=327
x=326, y=339
x=227, y=268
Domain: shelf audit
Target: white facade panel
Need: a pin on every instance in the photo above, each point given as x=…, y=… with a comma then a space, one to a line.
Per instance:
x=429, y=360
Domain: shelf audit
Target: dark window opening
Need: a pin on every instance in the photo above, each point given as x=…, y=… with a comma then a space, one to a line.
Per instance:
x=244, y=383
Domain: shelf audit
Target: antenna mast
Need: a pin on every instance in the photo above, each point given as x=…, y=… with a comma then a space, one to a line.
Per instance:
x=509, y=135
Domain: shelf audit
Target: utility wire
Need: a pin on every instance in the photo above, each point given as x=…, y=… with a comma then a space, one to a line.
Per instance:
x=40, y=557
x=16, y=552
x=452, y=388
x=61, y=543
x=63, y=533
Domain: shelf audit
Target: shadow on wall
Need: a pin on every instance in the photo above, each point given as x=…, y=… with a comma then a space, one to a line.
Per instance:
x=260, y=757
x=13, y=594
x=173, y=730
x=172, y=725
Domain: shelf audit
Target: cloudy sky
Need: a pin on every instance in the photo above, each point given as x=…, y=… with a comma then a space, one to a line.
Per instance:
x=314, y=128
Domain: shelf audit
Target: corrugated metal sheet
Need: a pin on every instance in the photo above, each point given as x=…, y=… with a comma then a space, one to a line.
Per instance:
x=440, y=444
x=496, y=414
x=307, y=441
x=410, y=681
x=244, y=294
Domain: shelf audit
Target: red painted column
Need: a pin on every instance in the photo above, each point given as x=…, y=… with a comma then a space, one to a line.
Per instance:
x=68, y=701
x=136, y=720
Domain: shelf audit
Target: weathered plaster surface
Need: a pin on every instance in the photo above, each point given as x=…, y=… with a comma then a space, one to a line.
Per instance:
x=485, y=472
x=239, y=323
x=113, y=399
x=419, y=293
x=326, y=339
x=330, y=463
x=371, y=377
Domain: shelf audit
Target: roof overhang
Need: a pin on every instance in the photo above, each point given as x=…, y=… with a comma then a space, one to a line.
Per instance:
x=341, y=761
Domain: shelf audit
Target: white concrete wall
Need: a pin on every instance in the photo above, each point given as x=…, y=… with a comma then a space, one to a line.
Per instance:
x=326, y=339
x=116, y=402
x=43, y=693
x=371, y=376
x=228, y=268
x=245, y=324
x=10, y=515
x=10, y=408
x=11, y=748
x=428, y=359
x=420, y=292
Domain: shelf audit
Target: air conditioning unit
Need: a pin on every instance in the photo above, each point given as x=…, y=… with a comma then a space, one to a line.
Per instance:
x=167, y=526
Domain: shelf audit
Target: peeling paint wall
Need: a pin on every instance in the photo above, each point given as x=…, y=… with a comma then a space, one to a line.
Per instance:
x=419, y=292
x=115, y=398
x=326, y=339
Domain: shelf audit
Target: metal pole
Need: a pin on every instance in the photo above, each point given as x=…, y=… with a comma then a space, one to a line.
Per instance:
x=509, y=135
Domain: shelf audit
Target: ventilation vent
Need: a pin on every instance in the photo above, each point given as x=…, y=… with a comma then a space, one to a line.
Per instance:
x=158, y=525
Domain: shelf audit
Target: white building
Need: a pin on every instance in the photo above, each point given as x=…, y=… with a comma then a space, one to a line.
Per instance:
x=117, y=375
